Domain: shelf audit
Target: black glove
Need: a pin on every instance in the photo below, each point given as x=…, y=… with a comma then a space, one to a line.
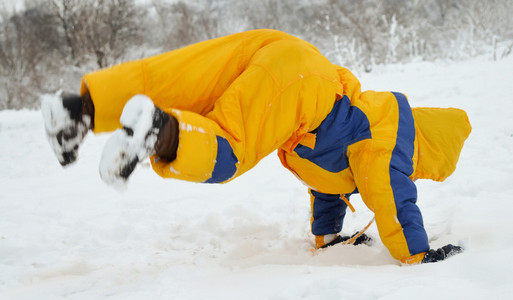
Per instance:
x=362, y=239
x=441, y=254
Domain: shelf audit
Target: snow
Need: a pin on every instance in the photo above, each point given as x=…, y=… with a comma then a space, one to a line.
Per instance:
x=65, y=234
x=122, y=148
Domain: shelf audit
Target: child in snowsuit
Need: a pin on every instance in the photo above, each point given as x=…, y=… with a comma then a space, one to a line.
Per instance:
x=211, y=111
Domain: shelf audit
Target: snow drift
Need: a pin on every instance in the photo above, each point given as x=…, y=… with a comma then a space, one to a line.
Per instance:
x=65, y=234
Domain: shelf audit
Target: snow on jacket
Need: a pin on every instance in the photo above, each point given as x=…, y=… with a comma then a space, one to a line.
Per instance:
x=240, y=97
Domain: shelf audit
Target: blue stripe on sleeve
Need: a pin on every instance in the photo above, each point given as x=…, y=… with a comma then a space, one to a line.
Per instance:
x=405, y=192
x=225, y=162
x=403, y=151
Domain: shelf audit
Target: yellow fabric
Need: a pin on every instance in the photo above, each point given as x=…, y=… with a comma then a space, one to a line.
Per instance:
x=265, y=89
x=380, y=108
x=312, y=201
x=441, y=133
x=414, y=259
x=198, y=137
x=308, y=140
x=316, y=177
x=319, y=241
x=346, y=201
x=436, y=151
x=110, y=89
x=370, y=161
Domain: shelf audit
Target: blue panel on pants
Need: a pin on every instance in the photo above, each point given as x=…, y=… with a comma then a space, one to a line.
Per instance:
x=328, y=212
x=344, y=126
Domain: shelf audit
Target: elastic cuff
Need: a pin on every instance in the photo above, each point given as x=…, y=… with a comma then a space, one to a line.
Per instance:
x=414, y=259
x=321, y=240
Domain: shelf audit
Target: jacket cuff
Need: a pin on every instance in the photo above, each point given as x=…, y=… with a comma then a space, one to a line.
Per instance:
x=203, y=154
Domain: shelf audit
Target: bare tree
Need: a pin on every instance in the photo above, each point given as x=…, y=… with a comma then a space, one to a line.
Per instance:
x=99, y=29
x=180, y=24
x=65, y=12
x=20, y=54
x=52, y=43
x=108, y=28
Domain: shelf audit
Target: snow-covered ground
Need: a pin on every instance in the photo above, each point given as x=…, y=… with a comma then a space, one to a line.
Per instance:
x=65, y=234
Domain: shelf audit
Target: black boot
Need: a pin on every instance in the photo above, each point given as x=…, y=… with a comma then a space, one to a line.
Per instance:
x=67, y=119
x=147, y=130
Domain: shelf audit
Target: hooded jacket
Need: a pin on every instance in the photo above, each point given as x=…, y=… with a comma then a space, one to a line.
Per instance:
x=240, y=97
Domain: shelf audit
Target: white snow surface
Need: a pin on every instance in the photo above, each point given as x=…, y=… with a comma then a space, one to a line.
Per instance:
x=64, y=234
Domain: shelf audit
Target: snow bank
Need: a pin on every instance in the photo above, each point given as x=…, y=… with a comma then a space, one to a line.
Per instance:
x=65, y=234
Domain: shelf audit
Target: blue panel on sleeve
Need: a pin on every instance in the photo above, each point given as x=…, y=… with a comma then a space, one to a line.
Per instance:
x=403, y=151
x=344, y=126
x=225, y=162
x=405, y=192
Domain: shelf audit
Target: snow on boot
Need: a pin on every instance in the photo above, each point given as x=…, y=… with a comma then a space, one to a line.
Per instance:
x=67, y=120
x=336, y=239
x=142, y=121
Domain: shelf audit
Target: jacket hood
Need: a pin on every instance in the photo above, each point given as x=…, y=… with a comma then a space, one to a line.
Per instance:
x=441, y=133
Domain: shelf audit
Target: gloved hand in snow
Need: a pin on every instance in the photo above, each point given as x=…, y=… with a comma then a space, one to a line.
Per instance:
x=442, y=253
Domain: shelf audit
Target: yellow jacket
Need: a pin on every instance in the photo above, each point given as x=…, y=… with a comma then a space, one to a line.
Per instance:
x=249, y=86
x=373, y=143
x=240, y=97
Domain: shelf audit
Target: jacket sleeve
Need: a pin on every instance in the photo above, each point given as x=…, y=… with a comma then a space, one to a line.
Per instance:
x=266, y=90
x=389, y=192
x=203, y=155
x=383, y=167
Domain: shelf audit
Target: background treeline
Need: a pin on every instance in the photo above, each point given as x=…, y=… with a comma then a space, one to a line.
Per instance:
x=50, y=44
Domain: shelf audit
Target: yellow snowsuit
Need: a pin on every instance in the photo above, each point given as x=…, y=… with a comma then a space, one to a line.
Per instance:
x=240, y=97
